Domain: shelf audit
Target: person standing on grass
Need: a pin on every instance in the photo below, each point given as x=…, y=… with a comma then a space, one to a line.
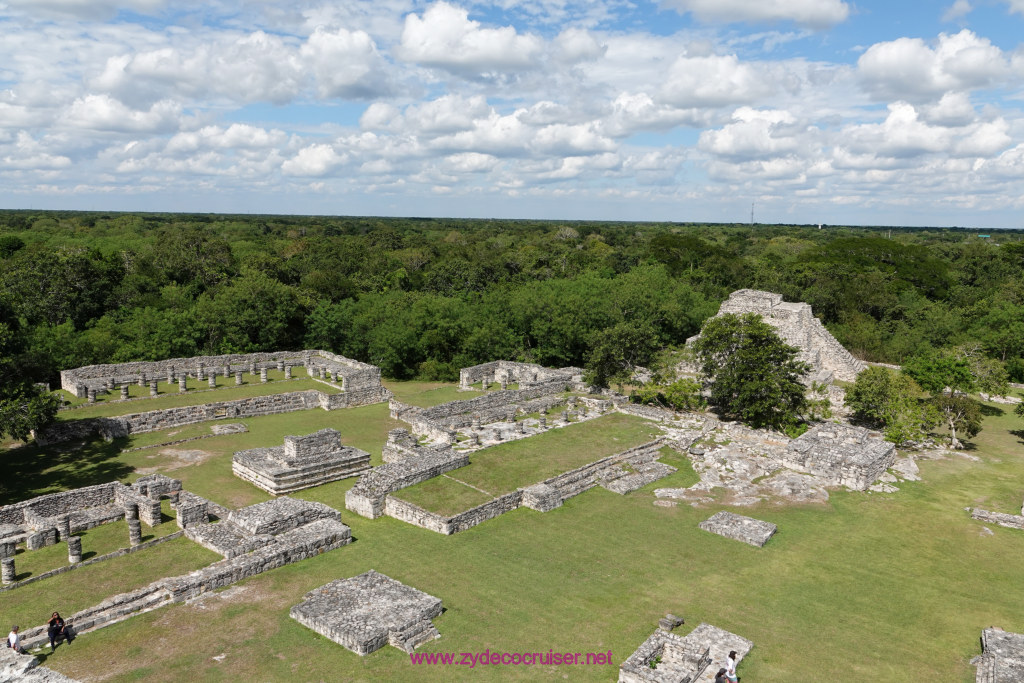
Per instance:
x=730, y=664
x=14, y=640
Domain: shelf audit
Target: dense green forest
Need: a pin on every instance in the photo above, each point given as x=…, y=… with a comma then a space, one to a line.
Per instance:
x=424, y=297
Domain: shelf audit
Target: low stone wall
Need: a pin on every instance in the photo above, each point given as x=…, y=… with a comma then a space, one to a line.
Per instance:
x=367, y=497
x=55, y=504
x=256, y=406
x=494, y=399
x=417, y=516
x=1002, y=519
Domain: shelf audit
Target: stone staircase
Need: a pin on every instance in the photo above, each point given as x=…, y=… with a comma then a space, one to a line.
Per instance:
x=413, y=635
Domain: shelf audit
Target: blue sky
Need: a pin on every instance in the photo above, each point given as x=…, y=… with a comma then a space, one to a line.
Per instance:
x=816, y=111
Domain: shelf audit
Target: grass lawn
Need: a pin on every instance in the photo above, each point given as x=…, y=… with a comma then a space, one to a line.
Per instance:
x=443, y=495
x=100, y=540
x=865, y=588
x=197, y=394
x=76, y=590
x=504, y=468
x=429, y=394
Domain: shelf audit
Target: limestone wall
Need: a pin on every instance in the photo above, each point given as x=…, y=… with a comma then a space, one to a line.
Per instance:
x=524, y=374
x=367, y=497
x=414, y=514
x=55, y=504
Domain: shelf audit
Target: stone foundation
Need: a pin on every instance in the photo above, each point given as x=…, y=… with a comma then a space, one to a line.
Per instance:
x=739, y=528
x=1002, y=658
x=302, y=462
x=848, y=456
x=695, y=658
x=368, y=611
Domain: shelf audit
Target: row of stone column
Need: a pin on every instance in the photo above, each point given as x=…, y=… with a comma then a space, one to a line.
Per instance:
x=182, y=380
x=8, y=548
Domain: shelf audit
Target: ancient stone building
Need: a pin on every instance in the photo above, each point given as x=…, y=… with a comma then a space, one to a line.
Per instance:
x=797, y=325
x=1002, y=658
x=665, y=657
x=367, y=612
x=302, y=462
x=845, y=455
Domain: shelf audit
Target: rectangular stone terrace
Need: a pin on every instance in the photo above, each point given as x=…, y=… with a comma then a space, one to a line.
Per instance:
x=366, y=612
x=739, y=528
x=302, y=462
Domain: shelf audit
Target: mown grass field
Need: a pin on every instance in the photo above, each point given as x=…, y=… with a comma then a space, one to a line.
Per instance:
x=865, y=588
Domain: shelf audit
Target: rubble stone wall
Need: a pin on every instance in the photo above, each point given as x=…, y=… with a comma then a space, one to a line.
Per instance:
x=415, y=515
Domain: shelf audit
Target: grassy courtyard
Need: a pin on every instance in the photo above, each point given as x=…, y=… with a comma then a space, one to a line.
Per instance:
x=865, y=588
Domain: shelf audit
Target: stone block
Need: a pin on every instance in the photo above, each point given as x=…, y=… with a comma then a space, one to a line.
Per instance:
x=739, y=528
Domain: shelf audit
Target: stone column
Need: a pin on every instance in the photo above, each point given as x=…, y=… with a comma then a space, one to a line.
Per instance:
x=484, y=383
x=182, y=384
x=263, y=375
x=170, y=376
x=476, y=422
x=213, y=380
x=520, y=427
x=280, y=365
x=124, y=392
x=142, y=380
x=174, y=497
x=63, y=528
x=91, y=396
x=74, y=549
x=201, y=372
x=134, y=531
x=108, y=384
x=238, y=379
x=227, y=371
x=323, y=372
x=252, y=368
x=344, y=383
x=504, y=384
x=7, y=573
x=132, y=511
x=474, y=439
x=153, y=388
x=7, y=549
x=287, y=372
x=543, y=420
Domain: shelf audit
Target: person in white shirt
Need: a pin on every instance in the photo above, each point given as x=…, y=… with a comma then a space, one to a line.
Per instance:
x=14, y=640
x=730, y=664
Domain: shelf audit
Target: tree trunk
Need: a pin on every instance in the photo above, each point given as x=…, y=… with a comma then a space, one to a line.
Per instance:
x=952, y=435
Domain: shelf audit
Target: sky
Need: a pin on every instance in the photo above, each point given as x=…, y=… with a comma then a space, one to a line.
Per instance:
x=866, y=112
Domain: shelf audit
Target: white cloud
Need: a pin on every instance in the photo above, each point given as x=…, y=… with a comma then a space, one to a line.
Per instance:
x=817, y=14
x=470, y=162
x=86, y=9
x=314, y=160
x=27, y=154
x=577, y=45
x=958, y=10
x=446, y=38
x=104, y=113
x=1016, y=6
x=345, y=64
x=758, y=134
x=908, y=68
x=714, y=81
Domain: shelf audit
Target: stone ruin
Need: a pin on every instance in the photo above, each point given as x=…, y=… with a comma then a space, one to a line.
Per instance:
x=25, y=669
x=260, y=526
x=353, y=376
x=798, y=327
x=366, y=612
x=504, y=372
x=756, y=465
x=302, y=462
x=695, y=658
x=848, y=456
x=1002, y=658
x=739, y=528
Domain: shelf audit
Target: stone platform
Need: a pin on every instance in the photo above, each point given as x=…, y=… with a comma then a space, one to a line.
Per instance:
x=1002, y=658
x=848, y=456
x=694, y=658
x=366, y=612
x=739, y=528
x=302, y=462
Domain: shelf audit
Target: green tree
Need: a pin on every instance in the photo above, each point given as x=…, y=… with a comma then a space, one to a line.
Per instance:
x=616, y=352
x=890, y=401
x=952, y=370
x=960, y=412
x=1019, y=410
x=23, y=405
x=753, y=374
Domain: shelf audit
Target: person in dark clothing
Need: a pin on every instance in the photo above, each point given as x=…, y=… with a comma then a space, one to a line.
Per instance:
x=57, y=629
x=720, y=677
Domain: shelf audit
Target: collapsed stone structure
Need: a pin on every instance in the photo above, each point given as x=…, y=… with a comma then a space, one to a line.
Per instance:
x=302, y=462
x=525, y=375
x=695, y=658
x=739, y=528
x=366, y=612
x=353, y=375
x=53, y=517
x=15, y=666
x=1002, y=658
x=798, y=327
x=252, y=540
x=849, y=456
x=1000, y=518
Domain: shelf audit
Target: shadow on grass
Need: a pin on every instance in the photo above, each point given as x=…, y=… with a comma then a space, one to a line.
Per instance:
x=88, y=553
x=31, y=471
x=1019, y=433
x=991, y=411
